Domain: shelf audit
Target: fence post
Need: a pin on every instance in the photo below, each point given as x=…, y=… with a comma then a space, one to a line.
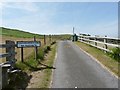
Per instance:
x=22, y=59
x=81, y=38
x=4, y=77
x=44, y=40
x=95, y=40
x=105, y=41
x=0, y=78
x=50, y=38
x=10, y=49
x=36, y=51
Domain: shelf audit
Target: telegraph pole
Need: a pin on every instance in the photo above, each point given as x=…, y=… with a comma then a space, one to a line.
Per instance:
x=73, y=34
x=73, y=30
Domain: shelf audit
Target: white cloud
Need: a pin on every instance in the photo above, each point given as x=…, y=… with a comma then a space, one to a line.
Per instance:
x=0, y=5
x=42, y=22
x=27, y=6
x=106, y=28
x=39, y=22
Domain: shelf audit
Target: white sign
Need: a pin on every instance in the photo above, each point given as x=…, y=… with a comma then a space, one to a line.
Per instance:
x=28, y=44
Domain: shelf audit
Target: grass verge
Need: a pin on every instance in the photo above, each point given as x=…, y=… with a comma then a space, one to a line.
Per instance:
x=48, y=72
x=109, y=62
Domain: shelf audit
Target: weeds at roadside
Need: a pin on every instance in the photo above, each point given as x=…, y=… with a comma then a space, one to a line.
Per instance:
x=115, y=54
x=28, y=66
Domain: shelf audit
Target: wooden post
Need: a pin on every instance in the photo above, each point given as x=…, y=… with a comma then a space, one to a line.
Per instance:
x=88, y=41
x=11, y=50
x=36, y=52
x=22, y=59
x=44, y=40
x=0, y=78
x=4, y=77
x=81, y=38
x=105, y=41
x=50, y=38
x=95, y=42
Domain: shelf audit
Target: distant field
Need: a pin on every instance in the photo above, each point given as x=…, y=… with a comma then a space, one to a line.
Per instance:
x=27, y=51
x=22, y=34
x=17, y=33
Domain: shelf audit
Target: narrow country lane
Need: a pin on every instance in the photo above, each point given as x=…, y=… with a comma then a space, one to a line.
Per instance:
x=75, y=69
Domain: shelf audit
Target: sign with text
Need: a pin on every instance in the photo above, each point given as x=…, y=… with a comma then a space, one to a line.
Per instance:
x=28, y=44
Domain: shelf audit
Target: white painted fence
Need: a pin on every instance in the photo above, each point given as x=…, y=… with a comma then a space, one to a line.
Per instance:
x=105, y=41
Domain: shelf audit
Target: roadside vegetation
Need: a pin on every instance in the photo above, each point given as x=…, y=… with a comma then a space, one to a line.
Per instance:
x=31, y=68
x=34, y=73
x=115, y=54
x=110, y=60
x=43, y=65
x=48, y=72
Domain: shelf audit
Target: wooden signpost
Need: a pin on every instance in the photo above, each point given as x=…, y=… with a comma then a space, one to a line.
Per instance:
x=36, y=50
x=27, y=44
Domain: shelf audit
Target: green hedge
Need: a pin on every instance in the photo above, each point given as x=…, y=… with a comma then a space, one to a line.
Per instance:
x=115, y=54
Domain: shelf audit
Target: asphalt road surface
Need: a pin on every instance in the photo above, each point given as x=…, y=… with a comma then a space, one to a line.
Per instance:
x=75, y=69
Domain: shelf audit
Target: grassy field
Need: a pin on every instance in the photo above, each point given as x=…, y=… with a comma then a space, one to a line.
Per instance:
x=110, y=63
x=22, y=34
x=17, y=33
x=27, y=51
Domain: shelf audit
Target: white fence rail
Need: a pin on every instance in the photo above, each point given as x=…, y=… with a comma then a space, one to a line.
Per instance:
x=100, y=42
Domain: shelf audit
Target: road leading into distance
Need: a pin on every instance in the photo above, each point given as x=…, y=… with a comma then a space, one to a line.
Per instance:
x=75, y=69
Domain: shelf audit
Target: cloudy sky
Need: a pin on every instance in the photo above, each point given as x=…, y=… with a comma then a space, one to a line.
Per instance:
x=95, y=18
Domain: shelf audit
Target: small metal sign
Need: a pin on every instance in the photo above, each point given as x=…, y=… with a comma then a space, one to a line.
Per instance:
x=28, y=44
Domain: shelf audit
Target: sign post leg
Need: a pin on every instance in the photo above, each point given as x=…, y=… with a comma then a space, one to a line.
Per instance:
x=22, y=54
x=35, y=49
